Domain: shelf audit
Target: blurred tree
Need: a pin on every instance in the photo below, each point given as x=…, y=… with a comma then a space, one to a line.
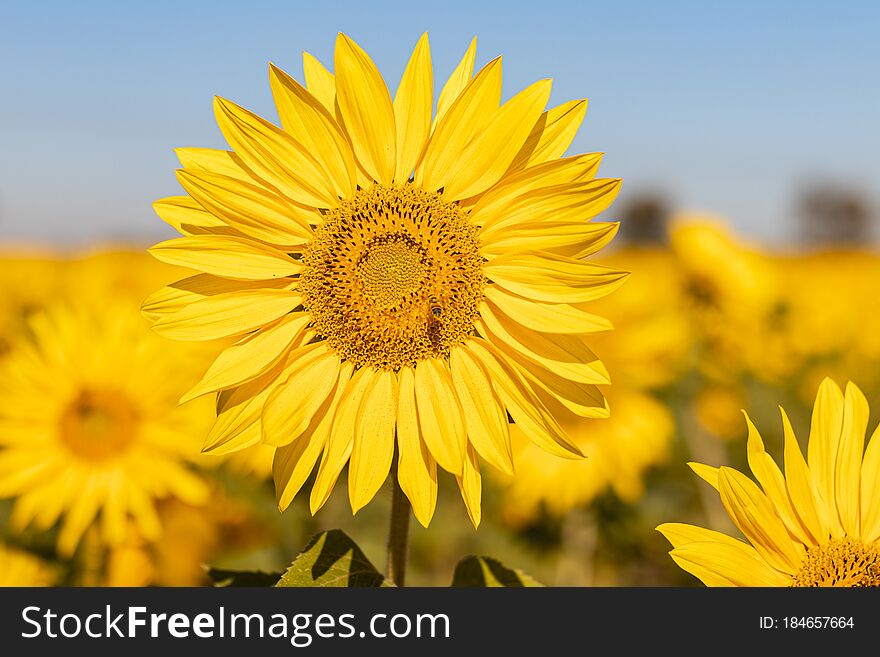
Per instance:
x=644, y=219
x=833, y=215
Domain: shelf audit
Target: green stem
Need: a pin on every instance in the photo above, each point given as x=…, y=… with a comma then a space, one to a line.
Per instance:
x=398, y=532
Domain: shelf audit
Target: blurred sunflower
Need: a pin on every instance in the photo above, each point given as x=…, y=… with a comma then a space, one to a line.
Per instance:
x=390, y=276
x=817, y=525
x=729, y=291
x=826, y=330
x=19, y=568
x=89, y=424
x=191, y=537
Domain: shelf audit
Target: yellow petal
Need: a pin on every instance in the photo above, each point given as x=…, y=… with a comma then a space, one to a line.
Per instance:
x=184, y=213
x=771, y=480
x=566, y=202
x=680, y=534
x=457, y=81
x=801, y=487
x=238, y=414
x=485, y=159
x=871, y=490
x=441, y=419
x=212, y=160
x=144, y=513
x=250, y=208
x=339, y=444
x=373, y=448
x=545, y=317
x=707, y=473
x=757, y=572
x=294, y=462
x=572, y=239
x=512, y=189
x=756, y=518
x=319, y=81
x=366, y=109
x=175, y=297
x=723, y=564
x=413, y=103
x=847, y=472
x=825, y=426
x=582, y=399
x=565, y=355
x=470, y=485
x=524, y=406
x=291, y=407
x=226, y=314
x=291, y=466
x=275, y=156
x=252, y=356
x=416, y=468
x=551, y=135
x=312, y=125
x=484, y=413
x=78, y=518
x=230, y=257
x=462, y=122
x=551, y=278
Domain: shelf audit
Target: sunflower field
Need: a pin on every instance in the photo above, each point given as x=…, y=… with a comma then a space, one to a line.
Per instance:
x=392, y=304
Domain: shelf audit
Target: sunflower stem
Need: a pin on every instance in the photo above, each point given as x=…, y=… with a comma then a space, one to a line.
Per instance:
x=398, y=532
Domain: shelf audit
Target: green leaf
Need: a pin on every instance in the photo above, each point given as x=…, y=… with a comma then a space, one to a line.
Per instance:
x=332, y=559
x=222, y=577
x=486, y=571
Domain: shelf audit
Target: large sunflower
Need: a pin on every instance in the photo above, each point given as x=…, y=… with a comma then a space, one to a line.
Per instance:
x=392, y=277
x=90, y=427
x=818, y=525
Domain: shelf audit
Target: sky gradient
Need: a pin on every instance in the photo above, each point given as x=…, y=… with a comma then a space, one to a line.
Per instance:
x=726, y=109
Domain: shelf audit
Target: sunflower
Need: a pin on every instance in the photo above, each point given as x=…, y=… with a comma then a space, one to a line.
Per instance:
x=19, y=568
x=730, y=289
x=395, y=278
x=824, y=330
x=191, y=537
x=816, y=525
x=89, y=424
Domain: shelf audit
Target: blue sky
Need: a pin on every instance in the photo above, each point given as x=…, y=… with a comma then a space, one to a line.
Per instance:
x=729, y=108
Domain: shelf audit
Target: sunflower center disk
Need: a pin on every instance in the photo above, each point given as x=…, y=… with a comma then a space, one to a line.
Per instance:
x=98, y=424
x=391, y=270
x=841, y=562
x=393, y=276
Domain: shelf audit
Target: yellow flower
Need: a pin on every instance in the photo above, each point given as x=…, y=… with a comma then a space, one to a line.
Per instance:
x=816, y=525
x=730, y=290
x=89, y=424
x=390, y=273
x=717, y=408
x=191, y=537
x=833, y=319
x=18, y=568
